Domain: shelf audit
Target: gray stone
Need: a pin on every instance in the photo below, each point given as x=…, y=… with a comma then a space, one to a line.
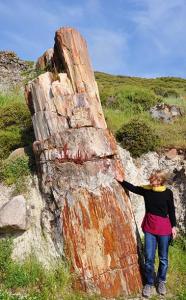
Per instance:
x=165, y=112
x=13, y=215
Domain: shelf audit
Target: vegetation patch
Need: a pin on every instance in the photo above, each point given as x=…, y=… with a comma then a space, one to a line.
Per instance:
x=176, y=276
x=15, y=171
x=133, y=98
x=29, y=280
x=137, y=137
x=15, y=123
x=124, y=98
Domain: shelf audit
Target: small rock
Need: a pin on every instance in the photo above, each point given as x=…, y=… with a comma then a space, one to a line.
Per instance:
x=171, y=154
x=165, y=112
x=19, y=152
x=13, y=215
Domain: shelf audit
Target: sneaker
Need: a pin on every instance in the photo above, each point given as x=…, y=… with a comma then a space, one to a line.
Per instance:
x=161, y=288
x=147, y=290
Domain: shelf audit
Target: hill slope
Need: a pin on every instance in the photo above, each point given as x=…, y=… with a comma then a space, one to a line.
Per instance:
x=122, y=97
x=125, y=98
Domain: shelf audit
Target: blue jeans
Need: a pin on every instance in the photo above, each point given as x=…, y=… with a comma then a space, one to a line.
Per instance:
x=151, y=242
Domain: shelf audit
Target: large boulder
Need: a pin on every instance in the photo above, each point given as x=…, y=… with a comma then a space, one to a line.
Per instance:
x=13, y=215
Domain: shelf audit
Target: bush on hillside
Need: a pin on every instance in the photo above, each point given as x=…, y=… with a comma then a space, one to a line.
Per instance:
x=14, y=114
x=9, y=141
x=15, y=126
x=145, y=98
x=13, y=138
x=137, y=137
x=15, y=168
x=137, y=98
x=164, y=92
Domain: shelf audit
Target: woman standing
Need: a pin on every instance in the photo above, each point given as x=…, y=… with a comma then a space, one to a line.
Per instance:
x=159, y=225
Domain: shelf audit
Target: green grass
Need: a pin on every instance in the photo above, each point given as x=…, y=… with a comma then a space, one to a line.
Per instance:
x=171, y=134
x=124, y=98
x=15, y=95
x=181, y=102
x=31, y=281
x=131, y=97
x=176, y=275
x=15, y=171
x=15, y=123
x=173, y=85
x=176, y=279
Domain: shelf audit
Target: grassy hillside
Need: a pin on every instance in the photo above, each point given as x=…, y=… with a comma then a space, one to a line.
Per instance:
x=163, y=86
x=127, y=98
x=15, y=122
x=126, y=101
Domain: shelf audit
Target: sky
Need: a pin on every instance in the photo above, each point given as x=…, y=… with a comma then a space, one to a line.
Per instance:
x=143, y=38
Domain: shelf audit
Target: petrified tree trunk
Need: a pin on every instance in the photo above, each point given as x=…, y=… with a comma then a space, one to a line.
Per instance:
x=78, y=164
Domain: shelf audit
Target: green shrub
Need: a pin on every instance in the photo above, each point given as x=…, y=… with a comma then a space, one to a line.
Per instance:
x=165, y=92
x=30, y=75
x=24, y=274
x=132, y=98
x=9, y=141
x=5, y=256
x=142, y=97
x=4, y=295
x=160, y=91
x=30, y=278
x=14, y=114
x=16, y=128
x=14, y=170
x=137, y=137
x=15, y=95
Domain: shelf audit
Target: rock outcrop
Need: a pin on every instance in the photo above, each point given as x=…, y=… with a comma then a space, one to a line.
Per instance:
x=36, y=234
x=166, y=113
x=78, y=168
x=11, y=70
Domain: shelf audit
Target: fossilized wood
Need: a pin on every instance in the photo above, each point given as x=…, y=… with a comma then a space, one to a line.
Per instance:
x=78, y=167
x=45, y=60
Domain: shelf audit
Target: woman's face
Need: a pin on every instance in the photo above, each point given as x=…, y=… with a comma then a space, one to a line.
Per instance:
x=155, y=181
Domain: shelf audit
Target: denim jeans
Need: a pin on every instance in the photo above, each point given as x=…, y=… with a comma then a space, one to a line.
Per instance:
x=151, y=242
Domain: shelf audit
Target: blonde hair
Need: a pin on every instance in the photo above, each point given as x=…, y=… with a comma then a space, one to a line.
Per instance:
x=159, y=174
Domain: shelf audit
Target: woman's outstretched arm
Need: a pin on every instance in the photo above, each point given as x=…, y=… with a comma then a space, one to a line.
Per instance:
x=132, y=188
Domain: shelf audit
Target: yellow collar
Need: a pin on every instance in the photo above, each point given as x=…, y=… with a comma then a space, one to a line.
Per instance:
x=159, y=188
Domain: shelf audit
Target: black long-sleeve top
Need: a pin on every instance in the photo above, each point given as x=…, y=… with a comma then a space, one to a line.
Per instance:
x=157, y=203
